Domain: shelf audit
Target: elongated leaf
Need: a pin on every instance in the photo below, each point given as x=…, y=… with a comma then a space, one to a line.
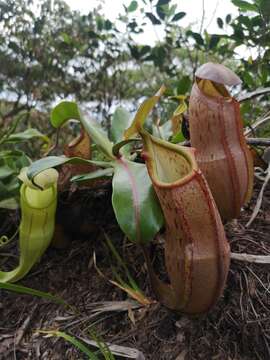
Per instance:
x=54, y=161
x=79, y=344
x=10, y=204
x=134, y=201
x=68, y=110
x=245, y=6
x=26, y=135
x=9, y=189
x=11, y=163
x=121, y=120
x=102, y=173
x=33, y=292
x=179, y=16
x=132, y=6
x=142, y=114
x=5, y=171
x=14, y=159
x=153, y=18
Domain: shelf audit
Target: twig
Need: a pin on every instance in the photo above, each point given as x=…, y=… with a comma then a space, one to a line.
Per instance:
x=21, y=331
x=213, y=15
x=200, y=31
x=260, y=197
x=253, y=94
x=258, y=141
x=256, y=259
x=257, y=123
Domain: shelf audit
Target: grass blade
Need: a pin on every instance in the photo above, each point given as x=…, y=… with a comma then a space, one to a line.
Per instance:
x=29, y=291
x=77, y=343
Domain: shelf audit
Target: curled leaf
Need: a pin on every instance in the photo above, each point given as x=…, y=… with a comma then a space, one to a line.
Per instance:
x=79, y=147
x=177, y=117
x=67, y=110
x=142, y=114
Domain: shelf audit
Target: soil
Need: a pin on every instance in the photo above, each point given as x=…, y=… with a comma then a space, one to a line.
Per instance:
x=238, y=327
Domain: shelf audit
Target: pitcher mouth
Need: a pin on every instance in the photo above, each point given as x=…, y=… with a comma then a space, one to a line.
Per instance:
x=169, y=165
x=31, y=197
x=221, y=93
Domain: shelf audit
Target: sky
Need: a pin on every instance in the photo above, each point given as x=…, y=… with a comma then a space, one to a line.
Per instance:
x=193, y=8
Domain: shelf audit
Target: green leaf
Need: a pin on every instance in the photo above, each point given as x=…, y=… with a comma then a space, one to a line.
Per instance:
x=77, y=343
x=153, y=18
x=14, y=159
x=214, y=40
x=101, y=173
x=54, y=161
x=220, y=23
x=63, y=112
x=5, y=171
x=179, y=16
x=184, y=85
x=177, y=138
x=264, y=9
x=142, y=113
x=10, y=204
x=196, y=36
x=121, y=120
x=132, y=6
x=248, y=79
x=244, y=5
x=228, y=18
x=68, y=110
x=66, y=38
x=11, y=163
x=26, y=135
x=162, y=7
x=33, y=292
x=135, y=204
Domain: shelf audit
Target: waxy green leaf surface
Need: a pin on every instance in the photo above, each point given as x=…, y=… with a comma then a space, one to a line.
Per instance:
x=68, y=110
x=134, y=201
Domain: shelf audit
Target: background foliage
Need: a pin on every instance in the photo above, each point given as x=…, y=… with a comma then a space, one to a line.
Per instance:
x=49, y=52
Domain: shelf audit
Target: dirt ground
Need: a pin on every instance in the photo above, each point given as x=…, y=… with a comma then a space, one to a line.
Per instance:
x=237, y=328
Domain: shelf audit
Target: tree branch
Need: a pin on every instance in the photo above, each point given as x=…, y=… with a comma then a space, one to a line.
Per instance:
x=258, y=259
x=253, y=94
